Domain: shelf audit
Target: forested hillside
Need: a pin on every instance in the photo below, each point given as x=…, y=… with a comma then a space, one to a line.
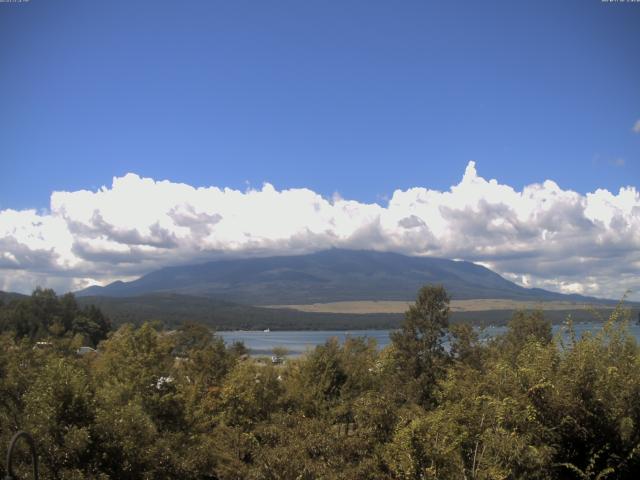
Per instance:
x=44, y=315
x=172, y=310
x=154, y=404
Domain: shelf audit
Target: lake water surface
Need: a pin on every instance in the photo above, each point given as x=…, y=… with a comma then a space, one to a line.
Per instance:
x=299, y=341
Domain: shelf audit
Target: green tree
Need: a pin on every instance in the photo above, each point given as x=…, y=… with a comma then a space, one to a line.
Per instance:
x=526, y=326
x=317, y=379
x=418, y=345
x=251, y=393
x=59, y=412
x=465, y=345
x=45, y=315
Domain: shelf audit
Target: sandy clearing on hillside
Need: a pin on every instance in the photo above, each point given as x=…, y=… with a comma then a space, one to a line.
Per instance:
x=373, y=306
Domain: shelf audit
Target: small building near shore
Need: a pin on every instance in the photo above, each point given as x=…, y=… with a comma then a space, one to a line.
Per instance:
x=85, y=350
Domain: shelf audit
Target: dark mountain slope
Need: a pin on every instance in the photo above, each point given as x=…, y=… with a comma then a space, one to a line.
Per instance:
x=6, y=297
x=327, y=276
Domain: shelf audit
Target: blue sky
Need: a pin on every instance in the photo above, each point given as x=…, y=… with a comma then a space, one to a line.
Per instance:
x=358, y=97
x=421, y=127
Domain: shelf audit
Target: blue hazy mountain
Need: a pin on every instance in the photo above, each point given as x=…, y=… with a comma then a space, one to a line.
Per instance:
x=326, y=276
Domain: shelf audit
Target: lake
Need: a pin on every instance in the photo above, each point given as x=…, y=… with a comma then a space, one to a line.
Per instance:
x=299, y=341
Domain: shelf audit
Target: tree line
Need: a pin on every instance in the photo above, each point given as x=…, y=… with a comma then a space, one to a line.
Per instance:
x=182, y=404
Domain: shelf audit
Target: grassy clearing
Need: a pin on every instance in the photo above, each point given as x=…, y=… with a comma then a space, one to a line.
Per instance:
x=479, y=305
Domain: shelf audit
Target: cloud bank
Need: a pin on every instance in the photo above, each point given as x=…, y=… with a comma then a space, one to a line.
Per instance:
x=541, y=236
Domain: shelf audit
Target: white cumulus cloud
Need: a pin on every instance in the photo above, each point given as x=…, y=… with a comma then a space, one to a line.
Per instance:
x=542, y=236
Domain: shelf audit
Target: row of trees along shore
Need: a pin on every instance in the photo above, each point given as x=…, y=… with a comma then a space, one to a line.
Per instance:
x=157, y=405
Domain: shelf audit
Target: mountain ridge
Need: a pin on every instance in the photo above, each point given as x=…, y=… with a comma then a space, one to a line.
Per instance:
x=328, y=276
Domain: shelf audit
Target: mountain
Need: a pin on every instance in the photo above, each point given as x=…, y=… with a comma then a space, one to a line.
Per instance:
x=327, y=276
x=6, y=297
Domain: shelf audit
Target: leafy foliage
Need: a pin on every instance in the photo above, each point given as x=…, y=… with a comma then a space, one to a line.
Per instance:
x=44, y=314
x=181, y=404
